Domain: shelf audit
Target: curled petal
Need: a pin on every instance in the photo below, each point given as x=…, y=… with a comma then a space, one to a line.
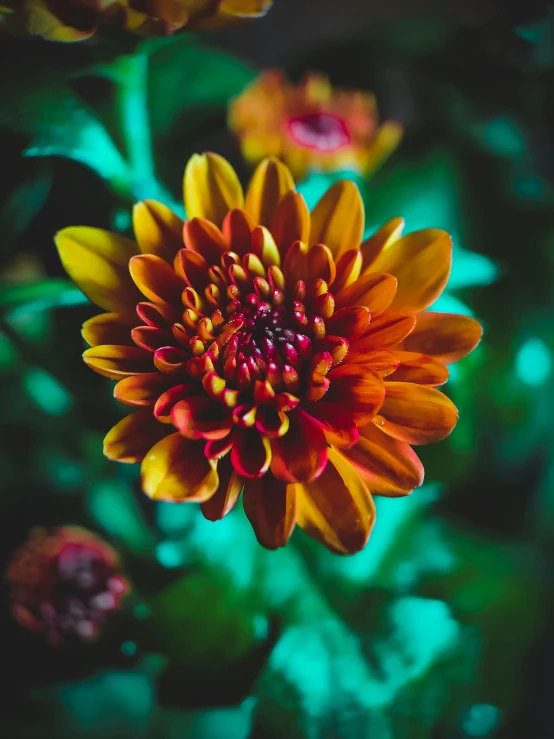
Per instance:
x=389, y=467
x=165, y=403
x=357, y=390
x=144, y=389
x=211, y=188
x=421, y=262
x=224, y=499
x=270, y=506
x=157, y=229
x=156, y=280
x=202, y=418
x=446, y=336
x=337, y=424
x=375, y=291
x=116, y=362
x=204, y=237
x=108, y=328
x=170, y=360
x=175, y=469
x=270, y=182
x=251, y=453
x=193, y=268
x=338, y=219
x=290, y=222
x=381, y=239
x=97, y=261
x=419, y=368
x=237, y=229
x=131, y=438
x=416, y=414
x=150, y=338
x=301, y=454
x=336, y=509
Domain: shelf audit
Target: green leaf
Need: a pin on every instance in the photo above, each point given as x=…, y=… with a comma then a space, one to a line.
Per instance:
x=39, y=296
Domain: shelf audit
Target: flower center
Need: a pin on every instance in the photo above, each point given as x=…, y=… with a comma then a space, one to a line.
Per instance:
x=320, y=131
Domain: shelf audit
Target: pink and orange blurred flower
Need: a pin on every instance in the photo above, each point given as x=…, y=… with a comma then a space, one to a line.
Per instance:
x=64, y=583
x=75, y=20
x=268, y=350
x=311, y=125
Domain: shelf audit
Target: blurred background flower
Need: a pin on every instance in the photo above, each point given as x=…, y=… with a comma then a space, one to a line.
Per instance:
x=440, y=628
x=311, y=126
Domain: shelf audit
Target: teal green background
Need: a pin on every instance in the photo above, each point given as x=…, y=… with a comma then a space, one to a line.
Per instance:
x=441, y=628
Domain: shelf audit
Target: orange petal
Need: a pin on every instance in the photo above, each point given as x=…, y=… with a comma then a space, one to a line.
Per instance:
x=144, y=389
x=301, y=454
x=133, y=437
x=372, y=247
x=416, y=414
x=270, y=506
x=175, y=469
x=203, y=237
x=381, y=361
x=446, y=336
x=320, y=264
x=116, y=362
x=336, y=509
x=157, y=229
x=202, y=418
x=237, y=230
x=421, y=262
x=385, y=330
x=348, y=269
x=290, y=222
x=108, y=328
x=357, y=390
x=156, y=280
x=389, y=467
x=98, y=262
x=224, y=499
x=375, y=291
x=419, y=368
x=270, y=182
x=211, y=188
x=295, y=266
x=348, y=322
x=251, y=453
x=338, y=218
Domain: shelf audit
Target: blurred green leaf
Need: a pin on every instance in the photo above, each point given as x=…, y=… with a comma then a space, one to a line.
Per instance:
x=39, y=296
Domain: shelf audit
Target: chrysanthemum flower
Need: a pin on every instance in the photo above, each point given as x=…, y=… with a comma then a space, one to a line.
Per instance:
x=75, y=20
x=269, y=350
x=311, y=125
x=64, y=583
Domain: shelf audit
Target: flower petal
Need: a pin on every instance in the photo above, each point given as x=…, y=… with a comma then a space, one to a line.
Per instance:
x=389, y=467
x=348, y=322
x=357, y=390
x=421, y=262
x=372, y=247
x=157, y=229
x=416, y=414
x=385, y=331
x=156, y=280
x=175, y=469
x=108, y=328
x=131, y=438
x=211, y=188
x=116, y=362
x=290, y=222
x=270, y=506
x=446, y=336
x=202, y=418
x=375, y=291
x=251, y=453
x=336, y=509
x=223, y=500
x=270, y=182
x=144, y=389
x=97, y=261
x=419, y=368
x=204, y=237
x=348, y=269
x=301, y=454
x=338, y=218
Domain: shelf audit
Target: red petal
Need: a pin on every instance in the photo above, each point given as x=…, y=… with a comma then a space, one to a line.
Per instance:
x=251, y=453
x=357, y=390
x=226, y=495
x=301, y=454
x=270, y=506
x=201, y=417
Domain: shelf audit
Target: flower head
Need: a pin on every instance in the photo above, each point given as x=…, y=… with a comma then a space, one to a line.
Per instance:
x=64, y=583
x=311, y=125
x=267, y=349
x=75, y=20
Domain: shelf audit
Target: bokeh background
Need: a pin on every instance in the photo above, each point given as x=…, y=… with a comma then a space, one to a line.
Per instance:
x=442, y=627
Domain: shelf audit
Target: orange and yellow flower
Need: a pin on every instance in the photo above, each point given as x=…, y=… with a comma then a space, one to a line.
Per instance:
x=268, y=350
x=64, y=583
x=75, y=20
x=311, y=125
